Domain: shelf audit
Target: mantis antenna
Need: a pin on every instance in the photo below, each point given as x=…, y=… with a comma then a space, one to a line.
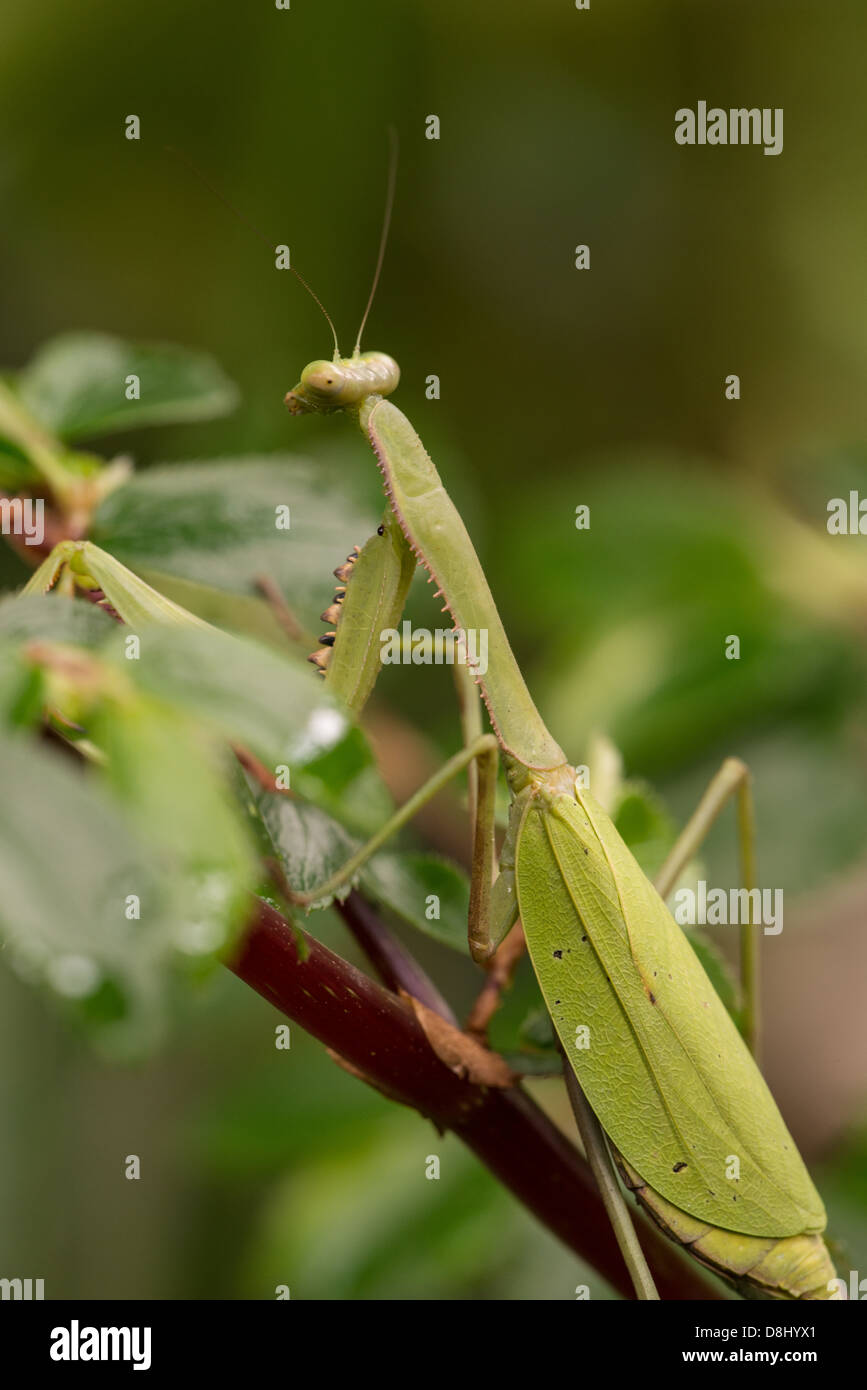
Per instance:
x=386, y=223
x=179, y=154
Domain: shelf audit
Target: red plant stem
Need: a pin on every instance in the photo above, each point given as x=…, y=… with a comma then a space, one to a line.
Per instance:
x=392, y=962
x=378, y=1035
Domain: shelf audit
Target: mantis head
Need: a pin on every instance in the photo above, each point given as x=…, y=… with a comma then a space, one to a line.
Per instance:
x=346, y=382
x=343, y=384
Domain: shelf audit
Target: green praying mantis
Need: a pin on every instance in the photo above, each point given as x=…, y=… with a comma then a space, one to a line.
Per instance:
x=691, y=1124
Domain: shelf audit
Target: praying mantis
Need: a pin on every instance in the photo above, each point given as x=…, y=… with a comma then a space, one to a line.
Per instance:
x=650, y=1051
x=664, y=1087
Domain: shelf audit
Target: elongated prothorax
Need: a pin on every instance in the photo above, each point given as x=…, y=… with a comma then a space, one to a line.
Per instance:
x=437, y=535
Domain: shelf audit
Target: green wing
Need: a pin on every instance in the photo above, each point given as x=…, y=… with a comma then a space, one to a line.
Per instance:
x=666, y=1071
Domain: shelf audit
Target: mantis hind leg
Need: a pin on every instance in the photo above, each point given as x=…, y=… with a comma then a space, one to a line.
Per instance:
x=732, y=780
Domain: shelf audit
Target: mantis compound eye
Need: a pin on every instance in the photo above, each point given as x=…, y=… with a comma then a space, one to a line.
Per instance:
x=322, y=387
x=323, y=378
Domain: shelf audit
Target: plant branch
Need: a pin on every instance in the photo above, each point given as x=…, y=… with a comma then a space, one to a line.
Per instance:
x=377, y=1034
x=392, y=962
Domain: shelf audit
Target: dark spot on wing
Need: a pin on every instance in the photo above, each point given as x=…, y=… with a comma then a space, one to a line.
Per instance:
x=558, y=955
x=678, y=1167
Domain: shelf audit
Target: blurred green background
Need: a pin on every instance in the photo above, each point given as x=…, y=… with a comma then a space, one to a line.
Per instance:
x=558, y=388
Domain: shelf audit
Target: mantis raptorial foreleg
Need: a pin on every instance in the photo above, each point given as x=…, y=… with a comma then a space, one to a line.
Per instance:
x=733, y=779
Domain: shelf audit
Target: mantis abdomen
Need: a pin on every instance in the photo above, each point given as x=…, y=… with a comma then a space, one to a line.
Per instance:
x=695, y=1130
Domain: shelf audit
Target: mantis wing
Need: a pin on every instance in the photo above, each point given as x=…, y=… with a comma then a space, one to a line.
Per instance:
x=664, y=1067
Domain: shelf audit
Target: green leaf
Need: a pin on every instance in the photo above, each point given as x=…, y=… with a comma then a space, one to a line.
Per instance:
x=216, y=524
x=309, y=843
x=645, y=824
x=16, y=471
x=173, y=782
x=404, y=883
x=53, y=617
x=345, y=781
x=22, y=688
x=68, y=861
x=76, y=385
x=269, y=702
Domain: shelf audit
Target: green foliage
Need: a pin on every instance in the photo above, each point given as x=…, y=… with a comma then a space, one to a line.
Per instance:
x=69, y=928
x=404, y=883
x=76, y=386
x=216, y=523
x=137, y=792
x=718, y=261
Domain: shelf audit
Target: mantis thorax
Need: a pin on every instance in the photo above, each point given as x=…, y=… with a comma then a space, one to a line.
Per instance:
x=553, y=781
